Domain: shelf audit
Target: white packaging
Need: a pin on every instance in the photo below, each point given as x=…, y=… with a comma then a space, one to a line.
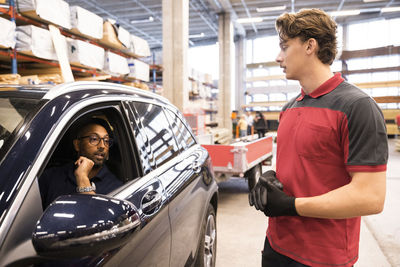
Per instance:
x=7, y=33
x=140, y=47
x=124, y=37
x=86, y=22
x=115, y=64
x=35, y=41
x=86, y=54
x=54, y=11
x=138, y=70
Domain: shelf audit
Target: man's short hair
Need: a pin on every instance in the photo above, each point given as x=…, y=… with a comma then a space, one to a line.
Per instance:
x=310, y=23
x=83, y=124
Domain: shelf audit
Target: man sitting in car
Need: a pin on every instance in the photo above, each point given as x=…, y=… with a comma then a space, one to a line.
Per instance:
x=88, y=174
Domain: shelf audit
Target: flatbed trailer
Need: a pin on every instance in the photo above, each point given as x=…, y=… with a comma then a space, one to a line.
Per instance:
x=241, y=159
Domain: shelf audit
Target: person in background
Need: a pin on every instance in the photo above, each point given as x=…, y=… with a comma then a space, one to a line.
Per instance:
x=260, y=124
x=88, y=174
x=331, y=158
x=398, y=121
x=250, y=121
x=242, y=125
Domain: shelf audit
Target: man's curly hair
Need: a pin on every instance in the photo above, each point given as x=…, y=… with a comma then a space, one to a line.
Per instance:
x=310, y=23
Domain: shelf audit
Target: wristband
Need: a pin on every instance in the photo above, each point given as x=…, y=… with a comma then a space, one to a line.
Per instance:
x=86, y=189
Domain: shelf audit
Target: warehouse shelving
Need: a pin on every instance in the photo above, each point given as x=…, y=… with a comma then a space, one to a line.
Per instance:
x=273, y=116
x=16, y=57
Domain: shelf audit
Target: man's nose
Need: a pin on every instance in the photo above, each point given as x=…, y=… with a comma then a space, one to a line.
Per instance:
x=278, y=58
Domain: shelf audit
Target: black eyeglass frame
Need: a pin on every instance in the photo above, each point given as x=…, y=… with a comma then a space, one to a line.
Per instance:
x=106, y=143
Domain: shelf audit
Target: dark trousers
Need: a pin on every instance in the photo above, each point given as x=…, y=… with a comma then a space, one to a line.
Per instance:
x=261, y=133
x=271, y=258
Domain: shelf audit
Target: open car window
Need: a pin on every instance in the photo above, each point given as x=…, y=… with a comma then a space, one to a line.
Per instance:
x=121, y=161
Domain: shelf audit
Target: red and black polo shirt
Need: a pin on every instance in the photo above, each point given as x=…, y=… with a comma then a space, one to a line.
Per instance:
x=322, y=137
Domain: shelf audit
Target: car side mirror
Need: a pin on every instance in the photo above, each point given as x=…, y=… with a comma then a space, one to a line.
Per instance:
x=83, y=224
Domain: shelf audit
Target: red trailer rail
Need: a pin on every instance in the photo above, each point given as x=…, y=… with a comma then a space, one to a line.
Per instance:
x=242, y=159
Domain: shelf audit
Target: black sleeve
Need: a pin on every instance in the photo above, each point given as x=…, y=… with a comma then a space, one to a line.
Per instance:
x=368, y=144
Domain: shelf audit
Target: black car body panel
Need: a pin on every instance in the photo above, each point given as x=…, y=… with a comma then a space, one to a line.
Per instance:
x=169, y=182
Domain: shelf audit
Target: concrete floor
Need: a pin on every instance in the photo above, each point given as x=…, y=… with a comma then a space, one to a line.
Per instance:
x=241, y=228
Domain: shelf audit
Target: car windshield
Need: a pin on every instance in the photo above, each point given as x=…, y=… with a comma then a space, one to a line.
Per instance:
x=14, y=108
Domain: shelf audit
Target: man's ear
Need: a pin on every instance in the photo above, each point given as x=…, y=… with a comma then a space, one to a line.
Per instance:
x=312, y=46
x=76, y=144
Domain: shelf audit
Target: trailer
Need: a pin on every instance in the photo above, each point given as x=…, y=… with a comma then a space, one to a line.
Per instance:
x=241, y=159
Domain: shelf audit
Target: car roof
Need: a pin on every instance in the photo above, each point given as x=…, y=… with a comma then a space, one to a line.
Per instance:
x=49, y=91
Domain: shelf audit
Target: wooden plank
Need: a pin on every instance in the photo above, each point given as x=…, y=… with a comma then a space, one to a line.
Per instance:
x=380, y=51
x=95, y=78
x=265, y=104
x=390, y=114
x=265, y=78
x=349, y=72
x=379, y=84
x=387, y=99
x=60, y=46
x=262, y=65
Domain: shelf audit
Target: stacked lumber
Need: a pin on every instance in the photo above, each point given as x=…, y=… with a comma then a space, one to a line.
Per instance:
x=138, y=85
x=9, y=78
x=221, y=135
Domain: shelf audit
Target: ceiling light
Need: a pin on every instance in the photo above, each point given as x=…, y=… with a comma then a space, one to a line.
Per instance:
x=199, y=35
x=149, y=19
x=345, y=13
x=250, y=20
x=390, y=9
x=369, y=1
x=271, y=8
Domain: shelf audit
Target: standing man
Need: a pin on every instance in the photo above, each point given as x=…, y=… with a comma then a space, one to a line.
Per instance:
x=331, y=154
x=250, y=121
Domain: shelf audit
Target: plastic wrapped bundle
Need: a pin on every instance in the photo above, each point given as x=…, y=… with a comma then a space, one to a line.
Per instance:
x=115, y=64
x=139, y=47
x=85, y=54
x=7, y=33
x=86, y=23
x=35, y=41
x=138, y=70
x=54, y=11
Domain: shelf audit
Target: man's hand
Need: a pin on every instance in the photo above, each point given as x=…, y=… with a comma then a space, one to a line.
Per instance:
x=268, y=196
x=83, y=168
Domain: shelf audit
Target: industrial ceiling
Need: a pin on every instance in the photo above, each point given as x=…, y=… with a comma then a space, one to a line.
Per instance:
x=143, y=18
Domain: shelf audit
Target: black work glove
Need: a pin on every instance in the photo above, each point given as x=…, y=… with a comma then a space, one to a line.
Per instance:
x=268, y=196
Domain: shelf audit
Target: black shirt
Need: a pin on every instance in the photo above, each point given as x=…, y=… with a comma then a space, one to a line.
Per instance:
x=59, y=181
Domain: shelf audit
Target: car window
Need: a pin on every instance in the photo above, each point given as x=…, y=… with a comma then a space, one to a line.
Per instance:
x=183, y=136
x=157, y=129
x=141, y=139
x=13, y=111
x=115, y=159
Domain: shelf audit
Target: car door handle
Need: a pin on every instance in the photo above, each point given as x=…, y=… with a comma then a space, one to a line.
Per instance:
x=151, y=202
x=196, y=167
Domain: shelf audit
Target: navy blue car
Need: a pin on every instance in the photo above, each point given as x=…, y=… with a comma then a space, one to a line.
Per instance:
x=164, y=212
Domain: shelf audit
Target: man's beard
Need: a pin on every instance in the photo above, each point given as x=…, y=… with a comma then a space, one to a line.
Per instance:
x=97, y=163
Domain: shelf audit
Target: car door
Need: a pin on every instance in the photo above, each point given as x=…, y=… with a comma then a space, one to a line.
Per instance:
x=151, y=246
x=188, y=197
x=179, y=170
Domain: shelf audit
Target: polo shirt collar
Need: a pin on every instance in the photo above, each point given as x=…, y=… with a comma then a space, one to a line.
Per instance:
x=100, y=175
x=324, y=88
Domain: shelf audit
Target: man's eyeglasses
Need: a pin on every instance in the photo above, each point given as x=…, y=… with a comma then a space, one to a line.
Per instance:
x=94, y=139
